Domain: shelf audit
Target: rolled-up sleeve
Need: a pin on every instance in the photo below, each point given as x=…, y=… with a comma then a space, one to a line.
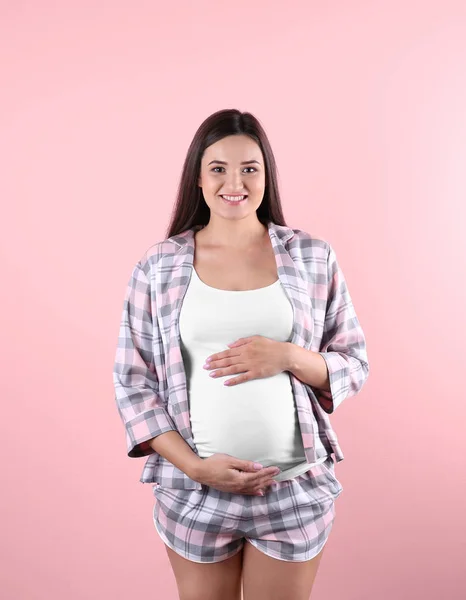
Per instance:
x=343, y=344
x=139, y=403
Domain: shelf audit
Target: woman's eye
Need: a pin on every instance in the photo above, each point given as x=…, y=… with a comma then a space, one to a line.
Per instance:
x=214, y=169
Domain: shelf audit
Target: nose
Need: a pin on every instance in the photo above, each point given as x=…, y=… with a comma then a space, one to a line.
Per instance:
x=234, y=184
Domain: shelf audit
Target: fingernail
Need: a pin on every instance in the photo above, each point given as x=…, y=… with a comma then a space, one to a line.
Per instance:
x=257, y=466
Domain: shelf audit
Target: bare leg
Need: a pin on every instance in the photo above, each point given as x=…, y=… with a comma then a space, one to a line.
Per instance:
x=266, y=578
x=207, y=581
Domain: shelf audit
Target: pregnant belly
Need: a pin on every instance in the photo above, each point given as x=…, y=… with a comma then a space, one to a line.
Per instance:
x=255, y=420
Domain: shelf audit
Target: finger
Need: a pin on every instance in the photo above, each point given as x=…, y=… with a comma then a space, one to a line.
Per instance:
x=239, y=379
x=256, y=485
x=263, y=490
x=253, y=490
x=263, y=473
x=263, y=485
x=267, y=482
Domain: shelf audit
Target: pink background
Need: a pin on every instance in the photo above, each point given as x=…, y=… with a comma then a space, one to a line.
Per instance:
x=364, y=103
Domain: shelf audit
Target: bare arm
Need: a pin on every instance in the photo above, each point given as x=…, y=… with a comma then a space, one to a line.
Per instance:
x=175, y=449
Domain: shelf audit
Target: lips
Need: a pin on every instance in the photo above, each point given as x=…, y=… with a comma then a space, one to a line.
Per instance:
x=234, y=202
x=233, y=196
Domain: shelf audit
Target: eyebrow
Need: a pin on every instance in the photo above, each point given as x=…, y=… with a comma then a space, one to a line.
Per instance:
x=245, y=162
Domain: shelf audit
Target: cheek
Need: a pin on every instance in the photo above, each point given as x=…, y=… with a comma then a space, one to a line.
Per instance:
x=211, y=184
x=258, y=183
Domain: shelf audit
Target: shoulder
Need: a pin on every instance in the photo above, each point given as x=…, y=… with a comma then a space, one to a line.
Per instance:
x=309, y=245
x=151, y=256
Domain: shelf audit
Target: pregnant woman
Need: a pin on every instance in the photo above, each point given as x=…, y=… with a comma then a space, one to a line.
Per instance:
x=237, y=341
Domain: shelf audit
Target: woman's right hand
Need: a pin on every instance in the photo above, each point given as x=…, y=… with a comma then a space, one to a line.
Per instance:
x=229, y=474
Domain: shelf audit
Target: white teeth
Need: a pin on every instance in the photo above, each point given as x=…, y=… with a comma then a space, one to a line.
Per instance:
x=234, y=198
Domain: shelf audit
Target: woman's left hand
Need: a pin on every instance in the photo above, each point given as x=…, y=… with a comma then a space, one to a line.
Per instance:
x=254, y=357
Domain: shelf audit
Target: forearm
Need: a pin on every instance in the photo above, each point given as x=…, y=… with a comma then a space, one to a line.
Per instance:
x=308, y=366
x=176, y=450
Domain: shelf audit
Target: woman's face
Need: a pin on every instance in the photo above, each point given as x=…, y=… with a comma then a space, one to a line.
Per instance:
x=222, y=173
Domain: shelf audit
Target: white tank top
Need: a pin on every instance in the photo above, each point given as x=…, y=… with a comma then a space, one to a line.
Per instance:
x=254, y=420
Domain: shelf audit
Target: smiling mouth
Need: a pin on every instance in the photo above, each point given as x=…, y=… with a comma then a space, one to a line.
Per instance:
x=233, y=200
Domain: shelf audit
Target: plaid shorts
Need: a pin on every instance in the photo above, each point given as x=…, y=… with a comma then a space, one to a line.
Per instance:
x=291, y=522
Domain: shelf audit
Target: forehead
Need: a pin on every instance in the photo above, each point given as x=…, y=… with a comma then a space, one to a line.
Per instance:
x=233, y=148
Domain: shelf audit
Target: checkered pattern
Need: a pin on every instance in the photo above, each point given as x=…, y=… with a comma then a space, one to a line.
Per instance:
x=291, y=522
x=149, y=376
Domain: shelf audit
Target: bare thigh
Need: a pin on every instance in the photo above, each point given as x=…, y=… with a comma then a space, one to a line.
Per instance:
x=207, y=581
x=266, y=578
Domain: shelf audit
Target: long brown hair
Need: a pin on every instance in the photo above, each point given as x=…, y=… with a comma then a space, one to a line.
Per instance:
x=190, y=208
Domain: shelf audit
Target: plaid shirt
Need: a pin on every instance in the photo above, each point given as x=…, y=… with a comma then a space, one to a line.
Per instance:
x=149, y=375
